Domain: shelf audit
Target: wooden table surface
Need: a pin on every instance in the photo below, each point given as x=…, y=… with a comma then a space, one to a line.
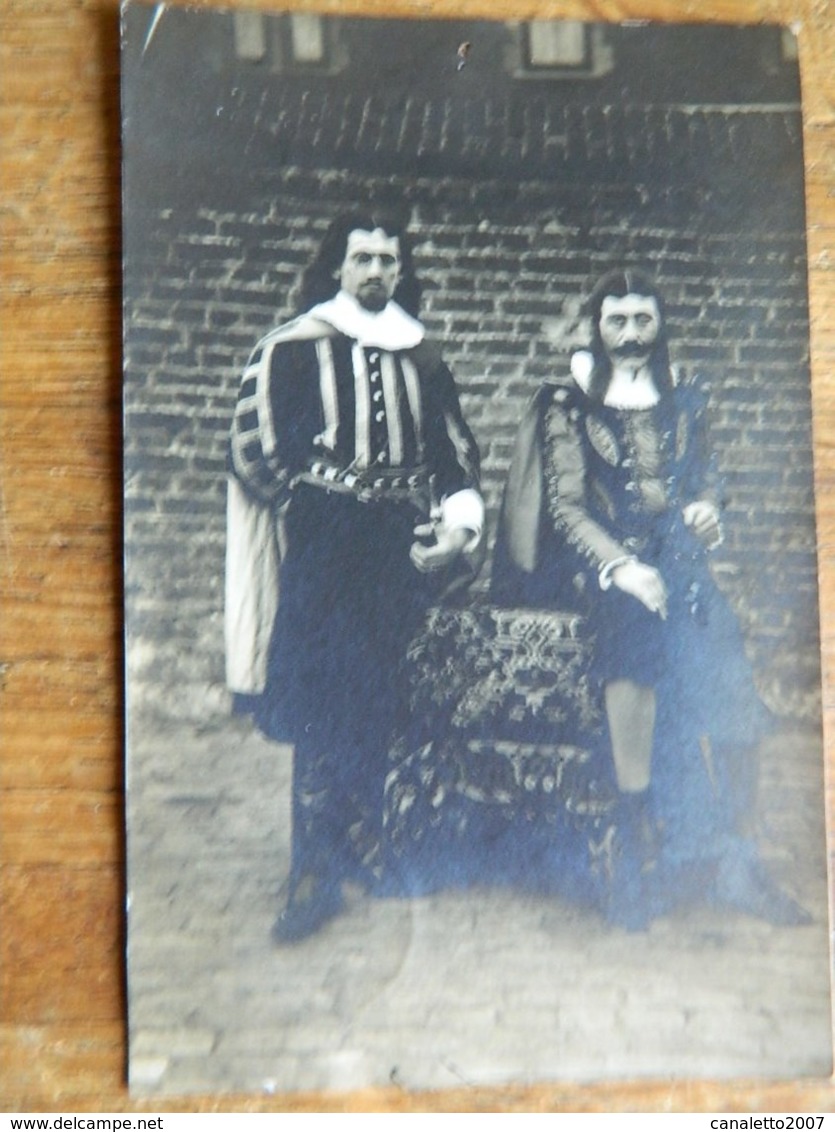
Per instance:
x=62, y=1028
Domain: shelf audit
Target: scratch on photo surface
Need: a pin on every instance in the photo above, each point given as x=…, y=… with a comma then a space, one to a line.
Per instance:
x=159, y=12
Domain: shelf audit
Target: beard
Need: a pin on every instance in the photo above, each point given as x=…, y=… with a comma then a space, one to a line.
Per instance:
x=373, y=297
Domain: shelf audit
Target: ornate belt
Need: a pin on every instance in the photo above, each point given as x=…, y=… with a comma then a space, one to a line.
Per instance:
x=370, y=485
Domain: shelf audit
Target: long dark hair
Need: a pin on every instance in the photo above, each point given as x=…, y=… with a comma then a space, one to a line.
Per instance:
x=318, y=281
x=618, y=284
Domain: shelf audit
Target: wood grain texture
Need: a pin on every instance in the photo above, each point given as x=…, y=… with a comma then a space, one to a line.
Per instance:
x=62, y=1032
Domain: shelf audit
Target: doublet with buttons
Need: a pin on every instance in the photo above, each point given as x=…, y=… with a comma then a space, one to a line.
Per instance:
x=615, y=484
x=357, y=418
x=617, y=479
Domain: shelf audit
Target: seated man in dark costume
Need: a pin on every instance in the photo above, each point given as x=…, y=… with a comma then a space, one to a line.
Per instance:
x=611, y=509
x=355, y=484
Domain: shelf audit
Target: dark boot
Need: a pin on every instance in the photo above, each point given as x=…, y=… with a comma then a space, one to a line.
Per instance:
x=631, y=863
x=312, y=902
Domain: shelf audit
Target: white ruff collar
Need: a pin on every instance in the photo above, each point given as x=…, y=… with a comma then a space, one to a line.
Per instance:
x=390, y=329
x=626, y=390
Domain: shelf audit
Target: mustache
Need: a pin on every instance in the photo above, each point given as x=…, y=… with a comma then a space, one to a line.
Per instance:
x=633, y=349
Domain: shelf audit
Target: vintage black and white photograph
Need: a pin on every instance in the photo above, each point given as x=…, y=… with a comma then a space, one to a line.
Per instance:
x=473, y=673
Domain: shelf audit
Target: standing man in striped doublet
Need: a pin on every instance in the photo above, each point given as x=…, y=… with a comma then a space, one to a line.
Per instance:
x=353, y=490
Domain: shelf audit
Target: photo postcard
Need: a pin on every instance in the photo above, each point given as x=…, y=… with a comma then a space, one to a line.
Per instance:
x=473, y=693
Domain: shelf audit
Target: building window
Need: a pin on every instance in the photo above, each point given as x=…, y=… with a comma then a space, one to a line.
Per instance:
x=300, y=40
x=307, y=38
x=561, y=49
x=250, y=36
x=550, y=43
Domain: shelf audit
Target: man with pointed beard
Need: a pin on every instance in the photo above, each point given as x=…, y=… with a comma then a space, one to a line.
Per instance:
x=353, y=491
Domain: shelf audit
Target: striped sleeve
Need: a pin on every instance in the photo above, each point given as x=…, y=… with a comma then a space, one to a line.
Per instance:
x=457, y=463
x=254, y=454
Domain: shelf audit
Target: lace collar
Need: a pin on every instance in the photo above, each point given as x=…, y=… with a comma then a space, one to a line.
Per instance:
x=625, y=390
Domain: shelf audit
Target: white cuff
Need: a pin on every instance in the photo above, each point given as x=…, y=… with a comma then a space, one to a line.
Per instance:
x=605, y=575
x=464, y=510
x=717, y=542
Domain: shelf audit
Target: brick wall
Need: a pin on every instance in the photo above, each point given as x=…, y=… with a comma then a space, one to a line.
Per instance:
x=503, y=266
